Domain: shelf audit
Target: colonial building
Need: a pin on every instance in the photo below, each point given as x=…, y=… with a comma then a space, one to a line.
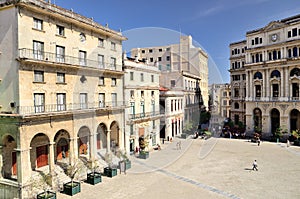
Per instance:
x=184, y=81
x=272, y=76
x=238, y=81
x=141, y=94
x=61, y=85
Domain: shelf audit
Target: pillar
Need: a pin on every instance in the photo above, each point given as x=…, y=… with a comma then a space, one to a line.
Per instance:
x=23, y=165
x=51, y=157
x=92, y=146
x=108, y=140
x=72, y=148
x=1, y=161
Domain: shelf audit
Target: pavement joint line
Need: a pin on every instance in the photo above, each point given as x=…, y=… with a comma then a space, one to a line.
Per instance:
x=203, y=147
x=185, y=179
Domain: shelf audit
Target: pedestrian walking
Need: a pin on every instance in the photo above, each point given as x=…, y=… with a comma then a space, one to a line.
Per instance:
x=258, y=142
x=255, y=166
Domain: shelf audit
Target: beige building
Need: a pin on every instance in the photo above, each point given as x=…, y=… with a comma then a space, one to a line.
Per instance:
x=141, y=94
x=184, y=71
x=272, y=76
x=61, y=93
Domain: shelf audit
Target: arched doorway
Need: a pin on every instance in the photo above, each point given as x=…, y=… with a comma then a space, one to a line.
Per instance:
x=114, y=136
x=39, y=151
x=102, y=136
x=257, y=120
x=275, y=120
x=62, y=145
x=83, y=140
x=294, y=120
x=9, y=157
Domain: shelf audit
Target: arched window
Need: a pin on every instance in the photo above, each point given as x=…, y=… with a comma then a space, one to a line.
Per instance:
x=289, y=53
x=275, y=73
x=258, y=75
x=274, y=55
x=295, y=71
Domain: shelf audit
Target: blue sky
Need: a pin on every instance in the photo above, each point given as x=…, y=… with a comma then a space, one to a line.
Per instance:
x=214, y=24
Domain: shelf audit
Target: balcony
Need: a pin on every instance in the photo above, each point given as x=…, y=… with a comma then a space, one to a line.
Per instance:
x=34, y=55
x=61, y=108
x=146, y=115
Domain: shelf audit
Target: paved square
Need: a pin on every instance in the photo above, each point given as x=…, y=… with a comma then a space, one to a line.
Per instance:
x=214, y=168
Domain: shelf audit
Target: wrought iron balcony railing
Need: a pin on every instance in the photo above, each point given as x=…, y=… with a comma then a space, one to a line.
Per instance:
x=145, y=115
x=36, y=55
x=52, y=108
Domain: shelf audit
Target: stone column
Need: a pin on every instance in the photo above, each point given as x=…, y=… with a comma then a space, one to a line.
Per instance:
x=286, y=83
x=23, y=165
x=92, y=146
x=51, y=157
x=1, y=162
x=72, y=149
x=282, y=77
x=108, y=140
x=268, y=87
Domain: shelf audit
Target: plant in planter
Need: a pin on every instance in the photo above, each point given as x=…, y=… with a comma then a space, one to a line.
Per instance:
x=143, y=142
x=73, y=187
x=109, y=171
x=44, y=181
x=126, y=160
x=94, y=177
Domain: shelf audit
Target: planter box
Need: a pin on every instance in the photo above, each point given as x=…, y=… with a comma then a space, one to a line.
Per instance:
x=110, y=172
x=127, y=164
x=72, y=189
x=47, y=195
x=183, y=135
x=144, y=154
x=94, y=178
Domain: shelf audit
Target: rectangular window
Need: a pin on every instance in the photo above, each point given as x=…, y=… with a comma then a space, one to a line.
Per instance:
x=152, y=93
x=289, y=34
x=60, y=30
x=131, y=129
x=173, y=83
x=225, y=102
x=294, y=32
x=168, y=58
x=142, y=94
x=60, y=78
x=39, y=102
x=82, y=58
x=132, y=93
x=101, y=61
x=114, y=99
x=113, y=63
x=160, y=50
x=143, y=51
x=142, y=77
x=61, y=101
x=113, y=81
x=60, y=54
x=168, y=67
x=142, y=109
x=83, y=100
x=38, y=50
x=150, y=50
x=101, y=100
x=100, y=42
x=153, y=107
x=152, y=78
x=113, y=46
x=132, y=108
x=37, y=24
x=38, y=76
x=131, y=76
x=159, y=59
x=101, y=81
x=153, y=124
x=151, y=59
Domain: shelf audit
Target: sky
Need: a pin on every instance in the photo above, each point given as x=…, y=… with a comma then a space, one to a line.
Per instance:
x=213, y=24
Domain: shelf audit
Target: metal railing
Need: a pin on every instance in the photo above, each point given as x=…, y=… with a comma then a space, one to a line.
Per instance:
x=26, y=53
x=144, y=115
x=52, y=108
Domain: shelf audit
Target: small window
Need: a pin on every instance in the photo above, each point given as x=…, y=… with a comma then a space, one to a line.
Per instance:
x=152, y=78
x=38, y=76
x=294, y=32
x=131, y=76
x=150, y=50
x=151, y=59
x=143, y=51
x=82, y=37
x=82, y=58
x=132, y=93
x=60, y=30
x=101, y=81
x=289, y=34
x=142, y=77
x=142, y=93
x=37, y=24
x=160, y=50
x=167, y=49
x=83, y=98
x=159, y=58
x=173, y=83
x=113, y=81
x=113, y=63
x=113, y=46
x=100, y=42
x=152, y=93
x=101, y=61
x=168, y=58
x=61, y=78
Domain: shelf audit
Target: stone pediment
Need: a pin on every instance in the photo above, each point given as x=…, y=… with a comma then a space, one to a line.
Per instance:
x=273, y=26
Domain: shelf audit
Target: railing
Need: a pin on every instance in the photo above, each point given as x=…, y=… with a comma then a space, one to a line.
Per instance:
x=145, y=115
x=273, y=99
x=52, y=108
x=26, y=53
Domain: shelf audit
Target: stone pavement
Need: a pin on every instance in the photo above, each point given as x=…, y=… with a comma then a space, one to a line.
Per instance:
x=213, y=168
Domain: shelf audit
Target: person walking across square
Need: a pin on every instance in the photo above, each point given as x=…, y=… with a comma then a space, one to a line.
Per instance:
x=254, y=165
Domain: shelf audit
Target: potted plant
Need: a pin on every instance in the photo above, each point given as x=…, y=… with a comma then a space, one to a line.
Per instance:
x=44, y=183
x=110, y=171
x=94, y=177
x=143, y=145
x=126, y=160
x=73, y=187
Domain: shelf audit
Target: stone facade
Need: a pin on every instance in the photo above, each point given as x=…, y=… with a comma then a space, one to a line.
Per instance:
x=272, y=76
x=141, y=94
x=63, y=80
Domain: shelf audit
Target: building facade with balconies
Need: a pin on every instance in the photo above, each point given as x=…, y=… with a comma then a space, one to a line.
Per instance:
x=184, y=71
x=141, y=95
x=61, y=90
x=273, y=77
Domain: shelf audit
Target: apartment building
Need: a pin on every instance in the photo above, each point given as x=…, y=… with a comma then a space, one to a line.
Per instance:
x=184, y=72
x=238, y=81
x=61, y=90
x=141, y=95
x=272, y=76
